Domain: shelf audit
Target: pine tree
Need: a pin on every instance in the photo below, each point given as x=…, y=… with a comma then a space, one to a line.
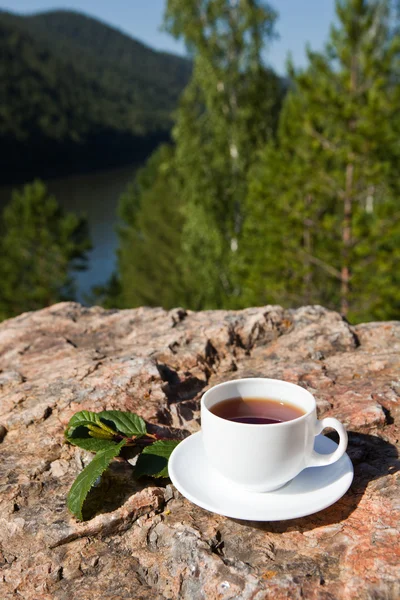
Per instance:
x=39, y=249
x=322, y=222
x=227, y=112
x=150, y=237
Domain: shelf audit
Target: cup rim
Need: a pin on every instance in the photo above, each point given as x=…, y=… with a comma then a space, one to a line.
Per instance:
x=257, y=379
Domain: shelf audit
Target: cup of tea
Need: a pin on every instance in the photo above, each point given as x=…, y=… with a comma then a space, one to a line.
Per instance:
x=259, y=433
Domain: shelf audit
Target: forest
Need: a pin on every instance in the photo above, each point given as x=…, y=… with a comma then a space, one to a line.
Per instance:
x=269, y=191
x=78, y=95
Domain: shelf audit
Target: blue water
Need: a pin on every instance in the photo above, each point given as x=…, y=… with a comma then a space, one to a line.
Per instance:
x=95, y=195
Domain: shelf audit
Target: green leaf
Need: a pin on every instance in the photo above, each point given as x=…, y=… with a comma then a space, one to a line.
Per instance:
x=126, y=422
x=82, y=418
x=153, y=460
x=91, y=444
x=86, y=479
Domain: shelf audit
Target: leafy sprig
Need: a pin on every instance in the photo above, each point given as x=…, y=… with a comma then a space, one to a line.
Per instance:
x=106, y=433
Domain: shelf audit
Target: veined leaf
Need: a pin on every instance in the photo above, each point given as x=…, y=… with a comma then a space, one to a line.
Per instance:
x=91, y=444
x=86, y=479
x=82, y=418
x=126, y=422
x=153, y=460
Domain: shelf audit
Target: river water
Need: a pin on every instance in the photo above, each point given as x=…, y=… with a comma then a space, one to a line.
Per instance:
x=95, y=195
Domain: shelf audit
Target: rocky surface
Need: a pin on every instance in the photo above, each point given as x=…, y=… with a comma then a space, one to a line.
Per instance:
x=147, y=542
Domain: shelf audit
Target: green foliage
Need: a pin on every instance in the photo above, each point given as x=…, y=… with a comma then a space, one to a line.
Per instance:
x=255, y=205
x=148, y=82
x=183, y=215
x=74, y=73
x=82, y=418
x=71, y=83
x=39, y=247
x=89, y=443
x=88, y=477
x=126, y=423
x=322, y=221
x=87, y=430
x=150, y=237
x=227, y=112
x=154, y=459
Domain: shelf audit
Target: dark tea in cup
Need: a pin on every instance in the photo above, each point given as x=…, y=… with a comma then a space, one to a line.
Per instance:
x=256, y=411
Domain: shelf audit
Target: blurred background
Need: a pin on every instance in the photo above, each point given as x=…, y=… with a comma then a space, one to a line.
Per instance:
x=200, y=153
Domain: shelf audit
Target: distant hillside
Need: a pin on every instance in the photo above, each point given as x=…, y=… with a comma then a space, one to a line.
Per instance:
x=77, y=94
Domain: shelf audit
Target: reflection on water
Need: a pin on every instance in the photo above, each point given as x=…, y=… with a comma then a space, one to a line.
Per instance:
x=96, y=195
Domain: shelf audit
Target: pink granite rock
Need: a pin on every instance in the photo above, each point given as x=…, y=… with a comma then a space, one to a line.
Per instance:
x=144, y=541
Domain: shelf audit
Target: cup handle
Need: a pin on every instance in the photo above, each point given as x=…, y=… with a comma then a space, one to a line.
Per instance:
x=320, y=460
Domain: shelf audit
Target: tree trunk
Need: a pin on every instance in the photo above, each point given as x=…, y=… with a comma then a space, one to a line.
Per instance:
x=346, y=242
x=347, y=209
x=307, y=242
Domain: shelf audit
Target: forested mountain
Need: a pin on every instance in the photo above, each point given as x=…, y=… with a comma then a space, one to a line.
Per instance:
x=78, y=94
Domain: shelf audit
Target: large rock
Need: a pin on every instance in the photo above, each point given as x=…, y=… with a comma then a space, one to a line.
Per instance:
x=146, y=541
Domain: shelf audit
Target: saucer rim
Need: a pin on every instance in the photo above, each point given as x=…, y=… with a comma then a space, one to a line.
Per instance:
x=348, y=480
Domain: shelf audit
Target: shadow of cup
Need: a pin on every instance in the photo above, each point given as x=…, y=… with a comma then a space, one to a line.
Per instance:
x=372, y=457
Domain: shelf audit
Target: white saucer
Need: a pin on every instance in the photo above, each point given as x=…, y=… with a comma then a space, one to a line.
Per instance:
x=312, y=490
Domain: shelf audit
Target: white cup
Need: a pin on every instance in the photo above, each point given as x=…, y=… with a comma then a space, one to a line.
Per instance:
x=262, y=458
